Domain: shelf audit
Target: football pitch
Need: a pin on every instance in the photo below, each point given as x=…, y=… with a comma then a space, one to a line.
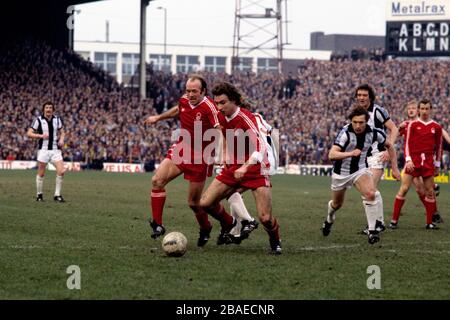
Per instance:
x=102, y=229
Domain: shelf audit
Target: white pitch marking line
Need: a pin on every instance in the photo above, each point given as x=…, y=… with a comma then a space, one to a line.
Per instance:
x=329, y=248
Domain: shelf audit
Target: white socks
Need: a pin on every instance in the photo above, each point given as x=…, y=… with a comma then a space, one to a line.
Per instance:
x=331, y=212
x=238, y=211
x=237, y=207
x=379, y=199
x=39, y=184
x=59, y=181
x=372, y=212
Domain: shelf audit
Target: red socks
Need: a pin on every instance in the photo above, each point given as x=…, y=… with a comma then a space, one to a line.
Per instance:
x=158, y=198
x=431, y=208
x=272, y=228
x=429, y=204
x=225, y=219
x=398, y=204
x=422, y=198
x=202, y=218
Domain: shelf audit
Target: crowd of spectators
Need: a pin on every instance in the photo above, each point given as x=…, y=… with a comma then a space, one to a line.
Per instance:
x=360, y=53
x=104, y=120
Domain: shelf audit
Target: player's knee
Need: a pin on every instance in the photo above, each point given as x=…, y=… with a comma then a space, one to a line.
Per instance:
x=369, y=195
x=337, y=204
x=403, y=191
x=265, y=216
x=430, y=194
x=205, y=204
x=158, y=182
x=420, y=192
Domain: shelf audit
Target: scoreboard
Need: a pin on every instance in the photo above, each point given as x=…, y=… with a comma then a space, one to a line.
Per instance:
x=418, y=28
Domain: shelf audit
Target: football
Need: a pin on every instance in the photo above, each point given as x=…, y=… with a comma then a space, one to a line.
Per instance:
x=174, y=244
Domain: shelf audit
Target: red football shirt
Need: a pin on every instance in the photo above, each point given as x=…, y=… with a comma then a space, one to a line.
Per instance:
x=195, y=121
x=403, y=130
x=402, y=133
x=242, y=140
x=423, y=138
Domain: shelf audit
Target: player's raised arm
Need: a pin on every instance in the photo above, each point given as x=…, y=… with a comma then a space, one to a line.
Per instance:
x=171, y=113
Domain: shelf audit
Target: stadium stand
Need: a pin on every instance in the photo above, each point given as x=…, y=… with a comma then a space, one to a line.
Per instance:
x=104, y=121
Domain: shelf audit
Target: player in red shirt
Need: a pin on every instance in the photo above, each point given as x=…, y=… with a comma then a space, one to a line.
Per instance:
x=423, y=152
x=246, y=164
x=197, y=114
x=407, y=180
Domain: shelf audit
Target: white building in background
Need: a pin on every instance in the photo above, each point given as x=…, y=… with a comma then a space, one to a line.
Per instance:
x=121, y=59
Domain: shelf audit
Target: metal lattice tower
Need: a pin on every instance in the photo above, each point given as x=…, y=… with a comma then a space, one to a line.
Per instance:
x=258, y=25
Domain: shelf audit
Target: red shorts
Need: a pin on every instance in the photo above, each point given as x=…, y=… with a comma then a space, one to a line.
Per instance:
x=423, y=166
x=248, y=181
x=192, y=172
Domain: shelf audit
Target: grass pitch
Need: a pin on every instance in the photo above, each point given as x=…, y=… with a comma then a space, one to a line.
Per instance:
x=102, y=229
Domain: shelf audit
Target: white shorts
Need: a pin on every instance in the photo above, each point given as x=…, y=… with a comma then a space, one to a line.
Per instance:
x=46, y=156
x=340, y=182
x=374, y=161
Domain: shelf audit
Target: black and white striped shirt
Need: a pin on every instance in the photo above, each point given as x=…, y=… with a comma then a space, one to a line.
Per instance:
x=348, y=141
x=41, y=126
x=378, y=116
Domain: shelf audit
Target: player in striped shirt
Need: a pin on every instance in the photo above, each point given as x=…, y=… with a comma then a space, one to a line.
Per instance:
x=379, y=119
x=350, y=168
x=48, y=129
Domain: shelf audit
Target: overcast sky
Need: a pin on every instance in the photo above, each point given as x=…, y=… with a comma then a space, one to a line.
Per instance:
x=211, y=22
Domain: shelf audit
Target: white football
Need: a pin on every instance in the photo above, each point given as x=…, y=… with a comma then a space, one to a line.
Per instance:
x=174, y=244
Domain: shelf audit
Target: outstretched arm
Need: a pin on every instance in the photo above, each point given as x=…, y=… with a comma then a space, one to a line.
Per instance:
x=171, y=113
